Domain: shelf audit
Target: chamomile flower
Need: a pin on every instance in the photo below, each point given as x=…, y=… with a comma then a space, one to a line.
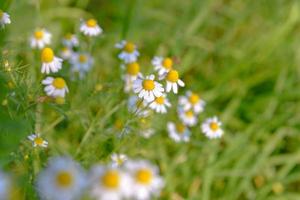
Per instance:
x=162, y=65
x=178, y=132
x=211, y=128
x=147, y=132
x=147, y=88
x=188, y=117
x=5, y=186
x=147, y=182
x=63, y=179
x=50, y=62
x=192, y=101
x=138, y=106
x=131, y=74
x=40, y=38
x=129, y=51
x=55, y=87
x=109, y=183
x=70, y=40
x=81, y=63
x=173, y=81
x=160, y=104
x=66, y=53
x=37, y=140
x=90, y=27
x=4, y=18
x=118, y=159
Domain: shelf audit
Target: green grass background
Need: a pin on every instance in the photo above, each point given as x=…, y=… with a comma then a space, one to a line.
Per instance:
x=243, y=57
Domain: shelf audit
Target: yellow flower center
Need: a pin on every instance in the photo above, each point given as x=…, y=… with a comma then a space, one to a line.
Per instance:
x=119, y=124
x=47, y=55
x=173, y=76
x=39, y=35
x=180, y=128
x=120, y=161
x=194, y=98
x=68, y=36
x=59, y=83
x=38, y=141
x=129, y=47
x=64, y=179
x=167, y=63
x=160, y=100
x=148, y=85
x=91, y=23
x=214, y=126
x=144, y=176
x=82, y=58
x=133, y=68
x=111, y=179
x=189, y=114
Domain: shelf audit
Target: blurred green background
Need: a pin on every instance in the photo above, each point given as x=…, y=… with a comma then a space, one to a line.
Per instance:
x=243, y=57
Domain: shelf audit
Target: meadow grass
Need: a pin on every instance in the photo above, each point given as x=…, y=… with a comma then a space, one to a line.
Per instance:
x=241, y=56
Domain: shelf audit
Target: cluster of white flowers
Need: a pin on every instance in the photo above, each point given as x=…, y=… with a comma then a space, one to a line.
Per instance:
x=65, y=179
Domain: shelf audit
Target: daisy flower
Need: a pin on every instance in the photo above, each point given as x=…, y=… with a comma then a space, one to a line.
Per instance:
x=109, y=183
x=70, y=40
x=146, y=179
x=37, y=140
x=160, y=104
x=211, y=128
x=66, y=53
x=55, y=87
x=132, y=73
x=81, y=63
x=173, y=81
x=162, y=65
x=5, y=186
x=192, y=101
x=4, y=19
x=50, y=62
x=188, y=117
x=90, y=28
x=63, y=179
x=118, y=159
x=129, y=51
x=138, y=106
x=178, y=132
x=147, y=132
x=40, y=39
x=147, y=88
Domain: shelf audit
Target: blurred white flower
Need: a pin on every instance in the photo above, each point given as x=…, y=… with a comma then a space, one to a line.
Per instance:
x=50, y=63
x=37, y=140
x=107, y=183
x=66, y=53
x=147, y=182
x=129, y=51
x=160, y=104
x=173, y=81
x=178, y=132
x=55, y=87
x=211, y=128
x=5, y=186
x=70, y=40
x=81, y=63
x=138, y=106
x=90, y=28
x=162, y=65
x=188, y=117
x=132, y=71
x=118, y=159
x=63, y=179
x=4, y=18
x=40, y=38
x=147, y=88
x=192, y=101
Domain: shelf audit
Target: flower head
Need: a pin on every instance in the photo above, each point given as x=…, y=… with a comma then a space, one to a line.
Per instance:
x=50, y=62
x=211, y=128
x=70, y=40
x=162, y=65
x=118, y=159
x=192, y=101
x=40, y=38
x=178, y=132
x=160, y=104
x=147, y=88
x=90, y=27
x=188, y=117
x=129, y=53
x=37, y=140
x=63, y=179
x=173, y=81
x=81, y=63
x=5, y=186
x=4, y=18
x=138, y=106
x=132, y=72
x=55, y=87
